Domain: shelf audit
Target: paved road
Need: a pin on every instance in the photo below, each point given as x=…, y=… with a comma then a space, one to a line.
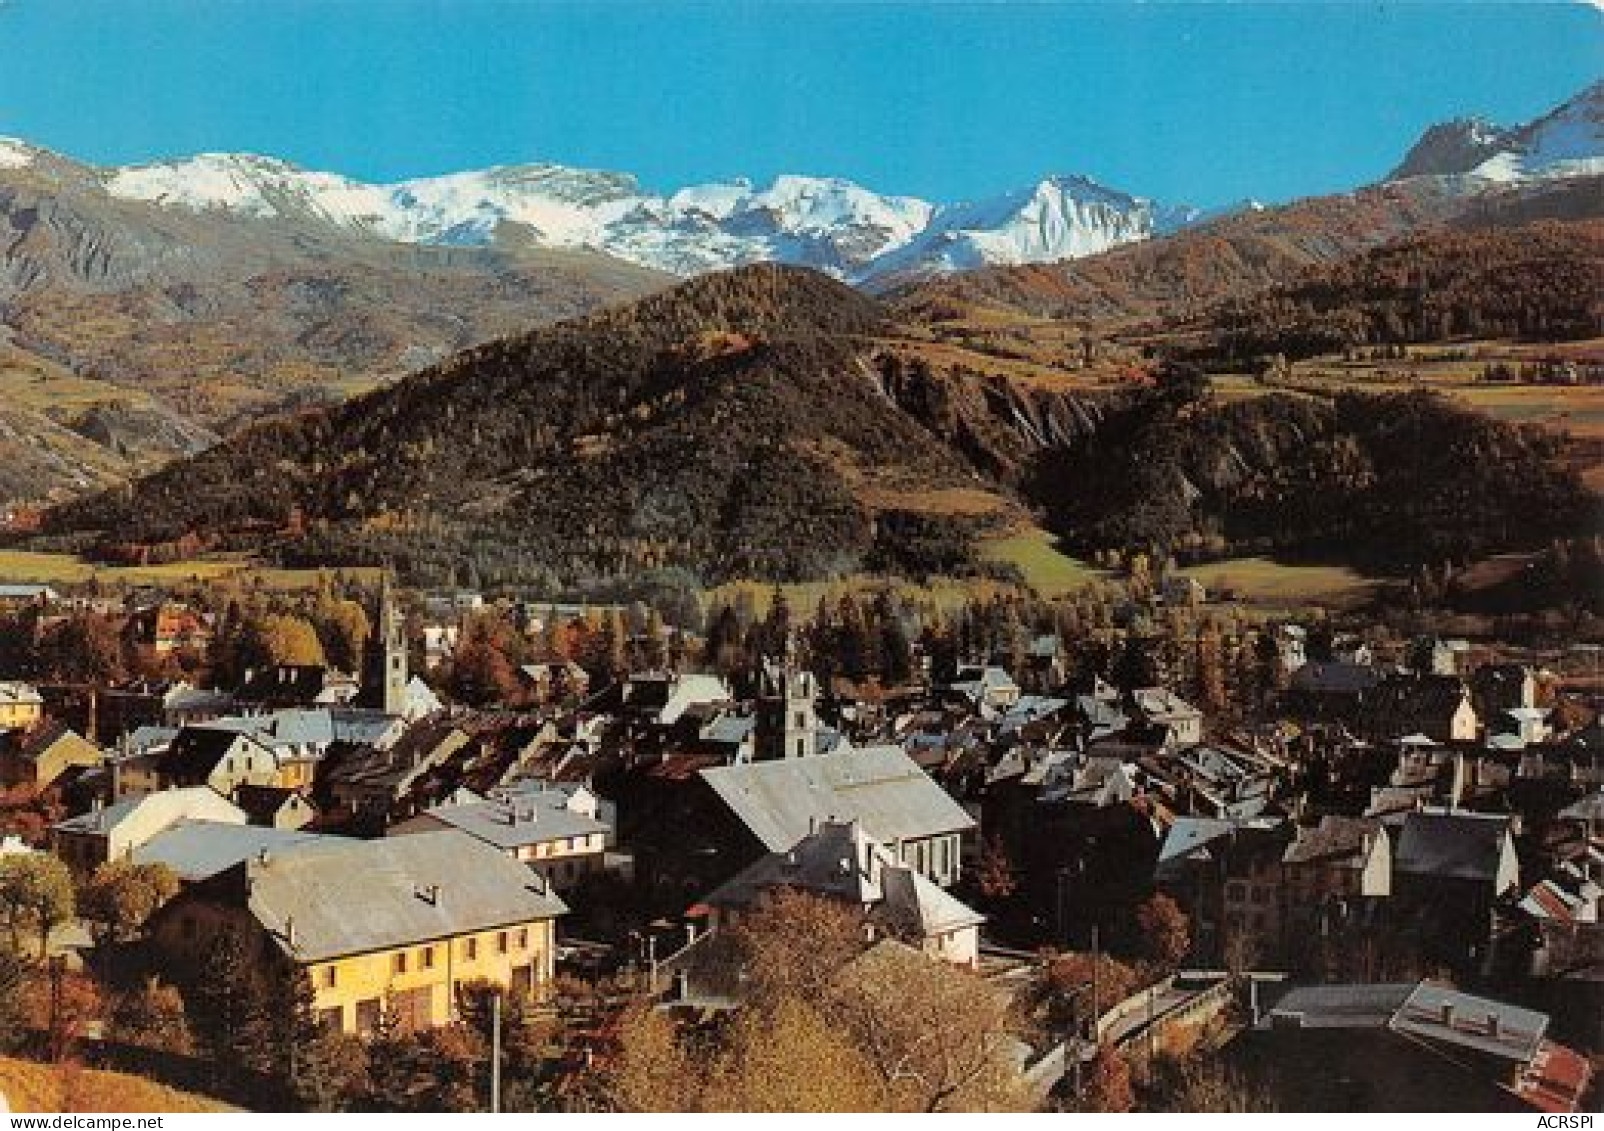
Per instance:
x=1132, y=1026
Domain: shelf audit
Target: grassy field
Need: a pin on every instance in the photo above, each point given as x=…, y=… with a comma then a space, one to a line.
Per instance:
x=1456, y=371
x=1047, y=570
x=1274, y=585
x=1578, y=410
x=66, y=569
x=33, y=1087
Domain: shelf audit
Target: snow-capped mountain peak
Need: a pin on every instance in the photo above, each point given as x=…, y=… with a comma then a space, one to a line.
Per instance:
x=1450, y=148
x=829, y=223
x=1065, y=216
x=1567, y=141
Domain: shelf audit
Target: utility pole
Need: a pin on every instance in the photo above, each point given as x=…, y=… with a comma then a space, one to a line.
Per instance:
x=495, y=1053
x=1096, y=1013
x=57, y=965
x=1058, y=906
x=1152, y=1038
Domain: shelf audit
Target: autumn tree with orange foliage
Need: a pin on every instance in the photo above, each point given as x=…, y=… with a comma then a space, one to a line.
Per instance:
x=828, y=1023
x=1068, y=983
x=937, y=1036
x=1108, y=1084
x=996, y=877
x=1166, y=931
x=484, y=665
x=795, y=945
x=67, y=1006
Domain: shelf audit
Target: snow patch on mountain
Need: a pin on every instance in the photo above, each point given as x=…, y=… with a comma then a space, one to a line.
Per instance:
x=15, y=154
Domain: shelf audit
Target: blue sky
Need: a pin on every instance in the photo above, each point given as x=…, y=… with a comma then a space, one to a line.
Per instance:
x=1199, y=102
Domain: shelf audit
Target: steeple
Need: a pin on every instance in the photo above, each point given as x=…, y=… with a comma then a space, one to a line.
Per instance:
x=391, y=632
x=787, y=723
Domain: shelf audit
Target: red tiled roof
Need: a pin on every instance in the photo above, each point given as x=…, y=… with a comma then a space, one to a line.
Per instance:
x=1548, y=899
x=682, y=767
x=1556, y=1080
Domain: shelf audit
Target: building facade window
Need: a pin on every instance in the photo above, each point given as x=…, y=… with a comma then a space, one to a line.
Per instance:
x=368, y=1015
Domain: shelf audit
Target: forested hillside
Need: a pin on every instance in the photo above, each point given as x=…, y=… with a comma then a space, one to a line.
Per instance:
x=732, y=427
x=765, y=423
x=1542, y=281
x=1389, y=481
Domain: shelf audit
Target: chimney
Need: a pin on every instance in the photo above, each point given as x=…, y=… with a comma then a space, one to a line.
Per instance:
x=289, y=931
x=690, y=933
x=1492, y=1024
x=1446, y=1015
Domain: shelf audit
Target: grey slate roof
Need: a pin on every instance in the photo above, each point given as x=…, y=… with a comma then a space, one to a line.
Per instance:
x=1519, y=1031
x=1045, y=647
x=26, y=592
x=197, y=699
x=149, y=737
x=527, y=820
x=290, y=727
x=1334, y=677
x=1365, y=1005
x=1589, y=808
x=1191, y=838
x=1335, y=837
x=356, y=896
x=1452, y=845
x=100, y=820
x=196, y=850
x=360, y=724
x=1190, y=834
x=729, y=730
x=841, y=861
x=881, y=787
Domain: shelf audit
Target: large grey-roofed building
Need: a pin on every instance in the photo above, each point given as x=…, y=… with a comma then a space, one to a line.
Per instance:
x=338, y=896
x=195, y=850
x=880, y=787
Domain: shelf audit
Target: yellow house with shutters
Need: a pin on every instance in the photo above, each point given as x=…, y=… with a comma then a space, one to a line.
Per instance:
x=39, y=757
x=388, y=928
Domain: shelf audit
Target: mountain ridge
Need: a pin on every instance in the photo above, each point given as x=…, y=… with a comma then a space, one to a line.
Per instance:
x=771, y=423
x=1567, y=140
x=829, y=223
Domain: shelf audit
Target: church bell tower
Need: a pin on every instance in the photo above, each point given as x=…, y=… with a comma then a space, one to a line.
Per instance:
x=787, y=722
